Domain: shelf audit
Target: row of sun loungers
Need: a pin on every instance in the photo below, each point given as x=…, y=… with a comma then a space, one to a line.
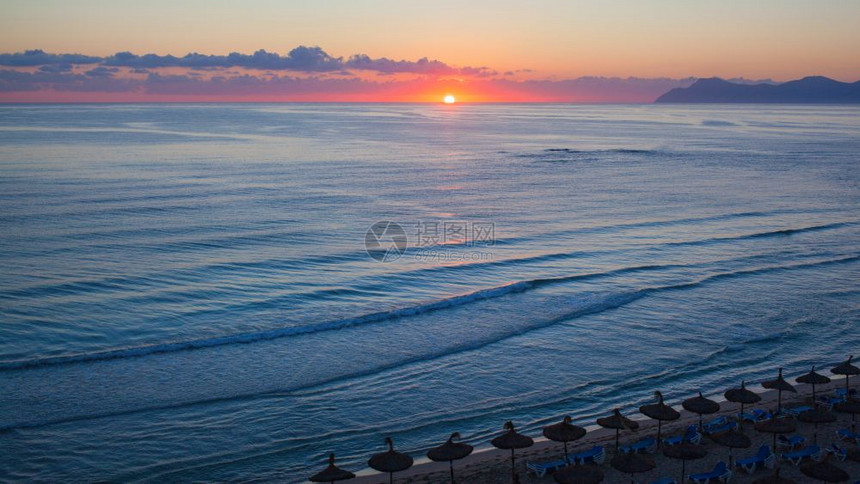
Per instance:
x=594, y=455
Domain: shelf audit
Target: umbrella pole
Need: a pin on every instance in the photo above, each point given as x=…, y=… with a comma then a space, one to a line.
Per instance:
x=566, y=461
x=390, y=478
x=452, y=470
x=741, y=417
x=514, y=468
x=683, y=470
x=779, y=403
x=617, y=431
x=659, y=425
x=701, y=427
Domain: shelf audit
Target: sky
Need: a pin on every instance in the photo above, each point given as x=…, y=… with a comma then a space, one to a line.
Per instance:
x=383, y=50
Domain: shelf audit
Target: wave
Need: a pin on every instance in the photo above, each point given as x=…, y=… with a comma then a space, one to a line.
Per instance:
x=494, y=292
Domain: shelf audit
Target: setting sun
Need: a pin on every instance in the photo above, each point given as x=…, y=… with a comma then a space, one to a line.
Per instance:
x=449, y=99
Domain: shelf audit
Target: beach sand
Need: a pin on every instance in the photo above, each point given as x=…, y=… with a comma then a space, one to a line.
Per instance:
x=494, y=466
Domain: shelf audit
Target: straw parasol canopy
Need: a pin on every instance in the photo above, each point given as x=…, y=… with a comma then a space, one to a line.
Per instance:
x=815, y=417
x=701, y=406
x=659, y=411
x=743, y=396
x=512, y=440
x=332, y=473
x=824, y=471
x=564, y=432
x=450, y=451
x=780, y=385
x=732, y=440
x=847, y=369
x=684, y=451
x=633, y=463
x=848, y=406
x=781, y=425
x=390, y=461
x=813, y=378
x=774, y=479
x=585, y=474
x=618, y=422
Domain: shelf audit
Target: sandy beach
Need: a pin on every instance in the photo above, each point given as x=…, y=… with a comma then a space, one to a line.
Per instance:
x=493, y=466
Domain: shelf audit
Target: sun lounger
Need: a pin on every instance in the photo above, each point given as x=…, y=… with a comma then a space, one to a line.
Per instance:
x=789, y=443
x=754, y=415
x=813, y=452
x=848, y=436
x=595, y=455
x=721, y=473
x=691, y=435
x=647, y=445
x=798, y=410
x=840, y=392
x=541, y=469
x=829, y=401
x=721, y=429
x=836, y=450
x=764, y=458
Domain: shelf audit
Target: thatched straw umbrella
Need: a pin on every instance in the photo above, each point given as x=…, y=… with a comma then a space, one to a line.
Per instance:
x=659, y=411
x=743, y=396
x=824, y=472
x=813, y=378
x=684, y=451
x=701, y=406
x=332, y=473
x=774, y=479
x=633, y=463
x=732, y=440
x=390, y=461
x=617, y=422
x=564, y=432
x=815, y=417
x=780, y=385
x=846, y=369
x=450, y=451
x=776, y=426
x=584, y=474
x=512, y=440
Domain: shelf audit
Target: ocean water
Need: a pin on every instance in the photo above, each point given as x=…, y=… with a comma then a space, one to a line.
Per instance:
x=187, y=292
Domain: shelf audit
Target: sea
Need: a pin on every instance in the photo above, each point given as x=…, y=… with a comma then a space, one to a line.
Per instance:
x=230, y=292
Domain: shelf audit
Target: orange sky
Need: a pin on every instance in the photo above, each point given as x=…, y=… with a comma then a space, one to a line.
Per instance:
x=540, y=40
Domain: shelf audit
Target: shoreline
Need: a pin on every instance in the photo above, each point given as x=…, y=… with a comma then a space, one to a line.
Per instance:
x=486, y=457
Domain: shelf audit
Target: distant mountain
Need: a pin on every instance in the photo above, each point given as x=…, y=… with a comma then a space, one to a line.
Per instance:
x=815, y=89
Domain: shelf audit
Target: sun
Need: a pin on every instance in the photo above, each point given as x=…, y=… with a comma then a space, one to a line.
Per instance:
x=449, y=99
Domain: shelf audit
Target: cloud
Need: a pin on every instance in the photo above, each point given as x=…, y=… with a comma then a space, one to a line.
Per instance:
x=102, y=71
x=301, y=59
x=39, y=57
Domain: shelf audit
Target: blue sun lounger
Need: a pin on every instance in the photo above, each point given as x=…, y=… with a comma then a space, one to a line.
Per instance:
x=848, y=436
x=647, y=445
x=835, y=449
x=789, y=443
x=754, y=415
x=813, y=452
x=541, y=469
x=798, y=410
x=721, y=473
x=721, y=429
x=691, y=435
x=595, y=455
x=764, y=458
